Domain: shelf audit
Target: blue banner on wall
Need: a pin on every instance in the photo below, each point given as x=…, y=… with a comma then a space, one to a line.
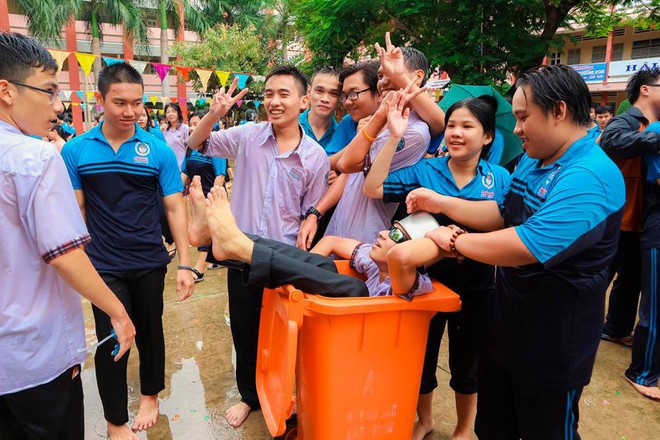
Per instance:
x=591, y=72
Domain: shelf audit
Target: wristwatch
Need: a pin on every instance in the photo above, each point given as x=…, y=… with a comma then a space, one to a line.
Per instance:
x=314, y=211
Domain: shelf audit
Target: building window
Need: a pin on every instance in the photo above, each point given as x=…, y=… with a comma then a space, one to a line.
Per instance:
x=646, y=49
x=574, y=56
x=555, y=58
x=598, y=53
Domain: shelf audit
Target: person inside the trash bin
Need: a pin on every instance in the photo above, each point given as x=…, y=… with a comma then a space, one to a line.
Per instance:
x=464, y=174
x=271, y=263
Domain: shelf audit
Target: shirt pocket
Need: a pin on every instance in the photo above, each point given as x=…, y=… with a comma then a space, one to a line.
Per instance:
x=291, y=186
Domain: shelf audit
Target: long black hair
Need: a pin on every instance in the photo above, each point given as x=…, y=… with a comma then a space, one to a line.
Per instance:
x=483, y=109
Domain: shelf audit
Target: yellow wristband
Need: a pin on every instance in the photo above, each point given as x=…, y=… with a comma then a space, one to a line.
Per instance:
x=366, y=136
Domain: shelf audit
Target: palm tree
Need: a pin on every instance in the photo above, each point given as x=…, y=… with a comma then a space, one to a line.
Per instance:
x=47, y=18
x=129, y=13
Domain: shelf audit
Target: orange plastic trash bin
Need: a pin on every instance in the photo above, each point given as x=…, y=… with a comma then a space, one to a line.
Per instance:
x=357, y=361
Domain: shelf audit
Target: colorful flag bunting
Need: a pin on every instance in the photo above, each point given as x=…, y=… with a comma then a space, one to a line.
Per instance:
x=86, y=61
x=161, y=70
x=222, y=77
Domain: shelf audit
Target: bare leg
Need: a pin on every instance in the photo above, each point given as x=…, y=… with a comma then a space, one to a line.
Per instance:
x=229, y=243
x=425, y=422
x=650, y=392
x=120, y=432
x=147, y=414
x=198, y=232
x=466, y=410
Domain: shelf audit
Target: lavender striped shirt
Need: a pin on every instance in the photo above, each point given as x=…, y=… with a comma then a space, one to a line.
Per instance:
x=271, y=190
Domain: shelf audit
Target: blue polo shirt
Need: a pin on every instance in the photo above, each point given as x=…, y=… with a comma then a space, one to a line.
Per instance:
x=206, y=167
x=491, y=182
x=344, y=134
x=650, y=233
x=549, y=315
x=157, y=133
x=327, y=136
x=123, y=197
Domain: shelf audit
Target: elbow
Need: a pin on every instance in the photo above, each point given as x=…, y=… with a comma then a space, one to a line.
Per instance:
x=400, y=256
x=371, y=191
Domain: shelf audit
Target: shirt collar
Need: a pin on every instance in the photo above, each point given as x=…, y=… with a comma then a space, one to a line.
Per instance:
x=8, y=128
x=304, y=121
x=577, y=149
x=269, y=134
x=139, y=135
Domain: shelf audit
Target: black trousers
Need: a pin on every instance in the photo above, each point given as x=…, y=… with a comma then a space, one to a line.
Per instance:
x=467, y=329
x=51, y=411
x=141, y=293
x=274, y=264
x=511, y=408
x=624, y=297
x=645, y=366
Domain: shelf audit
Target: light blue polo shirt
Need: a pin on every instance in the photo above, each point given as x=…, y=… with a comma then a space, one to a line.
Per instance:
x=123, y=196
x=327, y=136
x=344, y=134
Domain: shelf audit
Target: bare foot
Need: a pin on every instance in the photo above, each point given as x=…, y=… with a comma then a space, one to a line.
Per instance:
x=198, y=232
x=650, y=392
x=120, y=432
x=237, y=414
x=229, y=243
x=422, y=429
x=459, y=436
x=147, y=414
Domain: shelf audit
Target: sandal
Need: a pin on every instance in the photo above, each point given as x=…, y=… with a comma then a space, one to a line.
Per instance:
x=199, y=277
x=172, y=253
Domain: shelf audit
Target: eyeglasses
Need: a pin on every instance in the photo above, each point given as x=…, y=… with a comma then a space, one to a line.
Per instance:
x=54, y=94
x=351, y=95
x=397, y=235
x=652, y=85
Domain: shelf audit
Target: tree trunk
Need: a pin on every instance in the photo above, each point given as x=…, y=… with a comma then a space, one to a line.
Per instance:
x=164, y=59
x=96, y=47
x=555, y=14
x=74, y=78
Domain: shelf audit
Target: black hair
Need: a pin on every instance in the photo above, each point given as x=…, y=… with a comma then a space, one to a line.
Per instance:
x=60, y=131
x=68, y=119
x=149, y=117
x=483, y=109
x=174, y=106
x=324, y=71
x=118, y=73
x=602, y=109
x=20, y=54
x=293, y=71
x=98, y=117
x=551, y=85
x=61, y=116
x=415, y=60
x=251, y=114
x=369, y=71
x=643, y=77
x=593, y=105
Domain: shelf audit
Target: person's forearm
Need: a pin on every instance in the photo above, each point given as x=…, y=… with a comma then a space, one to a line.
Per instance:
x=373, y=182
x=178, y=221
x=202, y=131
x=482, y=215
x=333, y=194
x=352, y=160
x=624, y=143
x=498, y=248
x=427, y=109
x=77, y=271
x=404, y=259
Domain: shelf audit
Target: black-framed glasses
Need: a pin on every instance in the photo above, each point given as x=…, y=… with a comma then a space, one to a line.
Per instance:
x=352, y=95
x=397, y=235
x=54, y=94
x=652, y=85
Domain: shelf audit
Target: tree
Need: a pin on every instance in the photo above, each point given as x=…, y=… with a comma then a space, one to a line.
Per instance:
x=125, y=12
x=228, y=48
x=476, y=41
x=47, y=18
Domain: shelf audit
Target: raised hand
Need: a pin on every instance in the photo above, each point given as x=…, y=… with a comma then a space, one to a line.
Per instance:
x=391, y=58
x=222, y=101
x=397, y=114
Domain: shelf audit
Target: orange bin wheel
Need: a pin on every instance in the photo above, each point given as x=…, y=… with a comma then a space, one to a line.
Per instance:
x=358, y=361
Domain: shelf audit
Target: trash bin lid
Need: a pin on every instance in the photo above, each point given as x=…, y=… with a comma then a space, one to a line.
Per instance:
x=276, y=360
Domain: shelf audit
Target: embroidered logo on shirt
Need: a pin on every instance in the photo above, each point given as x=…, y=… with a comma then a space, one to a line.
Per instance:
x=401, y=146
x=295, y=174
x=488, y=180
x=138, y=159
x=142, y=149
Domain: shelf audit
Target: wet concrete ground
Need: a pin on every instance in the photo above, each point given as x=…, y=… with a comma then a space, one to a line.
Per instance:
x=200, y=381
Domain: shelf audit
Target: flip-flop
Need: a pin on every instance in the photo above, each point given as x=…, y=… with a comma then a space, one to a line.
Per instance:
x=199, y=277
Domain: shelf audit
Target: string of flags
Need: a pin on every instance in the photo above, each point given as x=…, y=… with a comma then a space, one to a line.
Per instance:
x=86, y=61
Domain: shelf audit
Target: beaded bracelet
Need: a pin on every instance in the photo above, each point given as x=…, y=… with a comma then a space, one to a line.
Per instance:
x=452, y=245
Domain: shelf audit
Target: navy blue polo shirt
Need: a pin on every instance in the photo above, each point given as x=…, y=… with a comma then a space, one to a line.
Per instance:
x=344, y=134
x=491, y=182
x=325, y=140
x=206, y=167
x=549, y=315
x=123, y=193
